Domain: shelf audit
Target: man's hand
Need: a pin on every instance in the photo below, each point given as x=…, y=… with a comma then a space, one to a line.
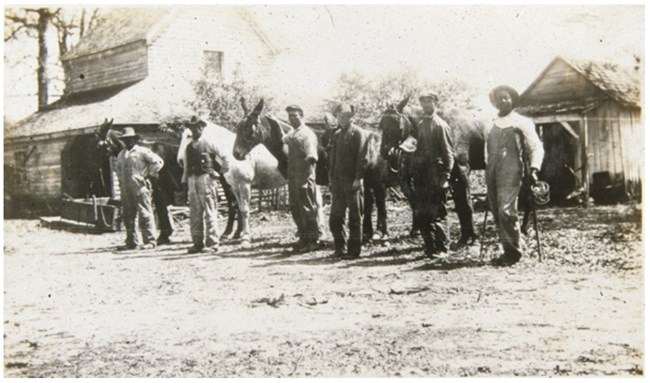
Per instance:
x=534, y=175
x=357, y=184
x=213, y=174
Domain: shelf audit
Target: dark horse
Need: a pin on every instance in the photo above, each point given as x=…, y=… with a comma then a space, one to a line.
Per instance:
x=168, y=182
x=467, y=131
x=255, y=129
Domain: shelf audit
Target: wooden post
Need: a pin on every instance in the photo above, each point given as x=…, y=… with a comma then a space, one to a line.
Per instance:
x=585, y=156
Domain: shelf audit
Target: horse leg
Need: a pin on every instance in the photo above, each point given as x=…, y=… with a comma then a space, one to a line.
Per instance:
x=244, y=201
x=524, y=222
x=232, y=206
x=380, y=199
x=460, y=193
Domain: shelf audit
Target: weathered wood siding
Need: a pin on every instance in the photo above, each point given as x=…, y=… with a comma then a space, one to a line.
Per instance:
x=41, y=173
x=562, y=83
x=117, y=66
x=176, y=55
x=616, y=141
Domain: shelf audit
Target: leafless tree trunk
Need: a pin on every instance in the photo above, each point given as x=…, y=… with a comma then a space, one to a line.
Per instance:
x=44, y=16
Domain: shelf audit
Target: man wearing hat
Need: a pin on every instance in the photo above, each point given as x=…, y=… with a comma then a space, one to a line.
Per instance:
x=348, y=161
x=133, y=166
x=200, y=174
x=510, y=138
x=302, y=145
x=432, y=164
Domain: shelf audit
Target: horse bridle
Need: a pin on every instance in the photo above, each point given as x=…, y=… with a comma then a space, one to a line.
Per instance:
x=397, y=150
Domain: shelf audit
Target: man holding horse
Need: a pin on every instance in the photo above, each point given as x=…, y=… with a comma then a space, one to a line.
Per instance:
x=200, y=174
x=348, y=160
x=511, y=143
x=432, y=164
x=302, y=145
x=134, y=165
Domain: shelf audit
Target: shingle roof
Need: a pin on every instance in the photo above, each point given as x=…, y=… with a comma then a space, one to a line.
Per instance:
x=117, y=27
x=620, y=83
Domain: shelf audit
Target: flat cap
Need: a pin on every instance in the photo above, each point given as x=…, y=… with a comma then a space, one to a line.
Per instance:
x=344, y=108
x=294, y=107
x=428, y=94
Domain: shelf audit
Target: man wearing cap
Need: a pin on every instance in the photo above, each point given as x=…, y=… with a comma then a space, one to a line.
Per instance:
x=302, y=145
x=200, y=174
x=133, y=166
x=510, y=138
x=348, y=161
x=432, y=164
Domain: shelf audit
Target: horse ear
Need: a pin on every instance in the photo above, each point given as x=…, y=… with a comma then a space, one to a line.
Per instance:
x=111, y=121
x=402, y=104
x=242, y=102
x=259, y=107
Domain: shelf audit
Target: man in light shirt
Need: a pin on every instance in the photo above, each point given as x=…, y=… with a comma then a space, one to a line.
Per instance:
x=511, y=145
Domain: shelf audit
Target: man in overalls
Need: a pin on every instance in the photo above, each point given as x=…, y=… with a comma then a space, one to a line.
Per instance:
x=134, y=165
x=302, y=145
x=201, y=177
x=510, y=138
x=432, y=163
x=348, y=160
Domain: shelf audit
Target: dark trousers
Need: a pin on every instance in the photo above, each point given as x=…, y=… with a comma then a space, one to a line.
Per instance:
x=374, y=193
x=459, y=182
x=344, y=198
x=430, y=216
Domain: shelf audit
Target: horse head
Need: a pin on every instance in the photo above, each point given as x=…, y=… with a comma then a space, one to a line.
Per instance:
x=395, y=125
x=108, y=142
x=248, y=131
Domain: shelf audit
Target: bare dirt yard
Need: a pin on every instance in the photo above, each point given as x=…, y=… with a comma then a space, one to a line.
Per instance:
x=75, y=307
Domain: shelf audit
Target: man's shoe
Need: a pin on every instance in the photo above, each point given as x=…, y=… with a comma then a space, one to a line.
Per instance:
x=148, y=246
x=194, y=250
x=505, y=260
x=214, y=249
x=163, y=241
x=350, y=256
x=338, y=254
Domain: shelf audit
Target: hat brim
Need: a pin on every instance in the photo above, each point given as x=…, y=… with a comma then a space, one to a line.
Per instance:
x=130, y=136
x=514, y=95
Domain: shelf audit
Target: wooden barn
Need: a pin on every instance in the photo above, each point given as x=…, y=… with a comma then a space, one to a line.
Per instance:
x=137, y=67
x=589, y=117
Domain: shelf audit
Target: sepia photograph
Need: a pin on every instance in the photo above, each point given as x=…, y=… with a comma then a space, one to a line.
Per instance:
x=323, y=190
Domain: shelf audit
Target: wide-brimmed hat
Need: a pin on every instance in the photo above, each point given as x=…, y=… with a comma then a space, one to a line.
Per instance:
x=513, y=95
x=196, y=122
x=409, y=144
x=294, y=107
x=128, y=132
x=428, y=94
x=344, y=108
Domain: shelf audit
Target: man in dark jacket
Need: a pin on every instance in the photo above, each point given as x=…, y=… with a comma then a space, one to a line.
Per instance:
x=433, y=160
x=347, y=164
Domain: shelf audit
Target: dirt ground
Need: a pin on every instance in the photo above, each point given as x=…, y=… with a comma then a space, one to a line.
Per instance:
x=75, y=307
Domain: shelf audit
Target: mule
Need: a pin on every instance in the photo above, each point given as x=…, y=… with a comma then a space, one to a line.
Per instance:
x=256, y=129
x=258, y=168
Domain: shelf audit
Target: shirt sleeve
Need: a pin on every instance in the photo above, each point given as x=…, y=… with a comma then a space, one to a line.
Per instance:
x=360, y=147
x=486, y=133
x=446, y=149
x=332, y=156
x=534, y=146
x=186, y=166
x=153, y=161
x=310, y=147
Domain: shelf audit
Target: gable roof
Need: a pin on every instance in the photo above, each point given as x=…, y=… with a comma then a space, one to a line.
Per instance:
x=117, y=27
x=613, y=81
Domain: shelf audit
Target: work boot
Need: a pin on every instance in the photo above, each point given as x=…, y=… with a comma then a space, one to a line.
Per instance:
x=466, y=240
x=505, y=260
x=163, y=240
x=195, y=249
x=148, y=246
x=338, y=254
x=214, y=249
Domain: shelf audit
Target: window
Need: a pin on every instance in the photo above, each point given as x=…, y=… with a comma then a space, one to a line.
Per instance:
x=213, y=61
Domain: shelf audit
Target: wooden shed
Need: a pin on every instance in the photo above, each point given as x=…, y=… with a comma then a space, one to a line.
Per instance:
x=588, y=115
x=136, y=66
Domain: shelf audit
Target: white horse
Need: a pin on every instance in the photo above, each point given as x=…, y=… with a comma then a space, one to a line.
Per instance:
x=259, y=169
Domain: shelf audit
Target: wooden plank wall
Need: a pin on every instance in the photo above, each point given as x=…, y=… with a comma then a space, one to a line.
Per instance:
x=561, y=83
x=116, y=66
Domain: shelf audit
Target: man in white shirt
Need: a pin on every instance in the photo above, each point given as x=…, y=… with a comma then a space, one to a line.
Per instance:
x=511, y=145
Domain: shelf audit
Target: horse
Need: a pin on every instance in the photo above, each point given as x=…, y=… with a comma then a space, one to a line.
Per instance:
x=255, y=129
x=259, y=168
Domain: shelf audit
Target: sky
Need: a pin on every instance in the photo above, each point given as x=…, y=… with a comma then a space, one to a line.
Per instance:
x=483, y=45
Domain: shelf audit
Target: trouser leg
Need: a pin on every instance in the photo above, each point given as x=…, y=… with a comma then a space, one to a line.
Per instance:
x=145, y=215
x=210, y=202
x=196, y=212
x=462, y=200
x=309, y=210
x=509, y=232
x=337, y=218
x=355, y=214
x=380, y=198
x=129, y=214
x=296, y=210
x=368, y=205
